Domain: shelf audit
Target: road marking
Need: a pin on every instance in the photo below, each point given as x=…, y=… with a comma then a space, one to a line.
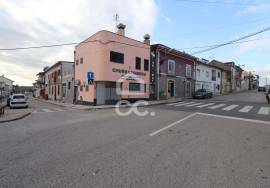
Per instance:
x=264, y=111
x=246, y=109
x=231, y=107
x=171, y=125
x=175, y=103
x=196, y=104
x=217, y=106
x=46, y=110
x=234, y=118
x=205, y=105
x=58, y=109
x=186, y=103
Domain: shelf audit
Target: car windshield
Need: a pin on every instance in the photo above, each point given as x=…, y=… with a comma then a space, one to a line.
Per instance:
x=18, y=97
x=201, y=90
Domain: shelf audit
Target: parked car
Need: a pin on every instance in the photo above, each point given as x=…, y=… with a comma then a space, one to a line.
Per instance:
x=261, y=89
x=202, y=94
x=18, y=101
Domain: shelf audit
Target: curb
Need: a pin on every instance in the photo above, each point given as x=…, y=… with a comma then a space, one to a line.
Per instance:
x=110, y=107
x=17, y=118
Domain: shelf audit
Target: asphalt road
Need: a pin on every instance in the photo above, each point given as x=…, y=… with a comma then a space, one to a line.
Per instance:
x=60, y=147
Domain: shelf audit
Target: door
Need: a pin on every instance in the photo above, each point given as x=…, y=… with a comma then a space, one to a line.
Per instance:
x=55, y=93
x=170, y=88
x=188, y=89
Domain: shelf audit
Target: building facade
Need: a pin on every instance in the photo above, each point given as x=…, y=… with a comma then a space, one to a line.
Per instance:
x=39, y=85
x=172, y=73
x=104, y=60
x=59, y=82
x=6, y=86
x=208, y=77
x=226, y=76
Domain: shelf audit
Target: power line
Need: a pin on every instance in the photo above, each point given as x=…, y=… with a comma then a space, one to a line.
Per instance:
x=218, y=2
x=232, y=41
x=66, y=44
x=213, y=45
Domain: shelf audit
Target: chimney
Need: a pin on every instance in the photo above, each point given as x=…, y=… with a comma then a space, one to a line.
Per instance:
x=121, y=29
x=146, y=39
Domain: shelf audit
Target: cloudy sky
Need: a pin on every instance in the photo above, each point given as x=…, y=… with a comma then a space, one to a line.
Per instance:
x=181, y=24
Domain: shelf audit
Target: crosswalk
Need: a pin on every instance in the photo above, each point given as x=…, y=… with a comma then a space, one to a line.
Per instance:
x=50, y=110
x=241, y=108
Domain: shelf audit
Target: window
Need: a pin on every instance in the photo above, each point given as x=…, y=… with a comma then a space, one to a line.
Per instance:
x=77, y=62
x=58, y=90
x=188, y=70
x=116, y=57
x=69, y=85
x=198, y=72
x=214, y=75
x=146, y=65
x=218, y=75
x=87, y=88
x=171, y=67
x=81, y=60
x=138, y=63
x=134, y=86
x=81, y=88
x=207, y=74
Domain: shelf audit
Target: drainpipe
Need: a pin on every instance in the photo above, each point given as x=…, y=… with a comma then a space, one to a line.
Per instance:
x=61, y=93
x=157, y=63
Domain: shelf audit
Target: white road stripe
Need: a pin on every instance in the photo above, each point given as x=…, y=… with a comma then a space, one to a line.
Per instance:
x=171, y=125
x=196, y=104
x=172, y=104
x=231, y=107
x=205, y=105
x=46, y=110
x=217, y=106
x=246, y=109
x=264, y=111
x=186, y=103
x=58, y=109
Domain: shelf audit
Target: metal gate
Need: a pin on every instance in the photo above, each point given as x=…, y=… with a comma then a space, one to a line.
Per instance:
x=106, y=93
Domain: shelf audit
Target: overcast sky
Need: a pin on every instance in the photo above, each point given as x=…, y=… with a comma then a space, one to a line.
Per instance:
x=177, y=24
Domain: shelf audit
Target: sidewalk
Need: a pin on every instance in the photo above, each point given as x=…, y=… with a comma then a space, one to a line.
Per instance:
x=86, y=107
x=14, y=114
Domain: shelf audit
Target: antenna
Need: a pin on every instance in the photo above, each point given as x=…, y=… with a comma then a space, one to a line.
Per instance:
x=116, y=18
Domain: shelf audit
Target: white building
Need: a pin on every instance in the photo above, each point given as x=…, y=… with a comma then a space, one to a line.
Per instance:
x=5, y=86
x=208, y=77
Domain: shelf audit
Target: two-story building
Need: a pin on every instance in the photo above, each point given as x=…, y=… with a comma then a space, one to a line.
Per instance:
x=227, y=78
x=104, y=60
x=208, y=77
x=39, y=85
x=59, y=82
x=6, y=86
x=172, y=73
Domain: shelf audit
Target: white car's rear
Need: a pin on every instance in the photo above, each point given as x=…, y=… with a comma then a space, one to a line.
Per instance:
x=18, y=101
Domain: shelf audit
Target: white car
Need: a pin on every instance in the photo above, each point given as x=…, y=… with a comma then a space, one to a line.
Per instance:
x=18, y=101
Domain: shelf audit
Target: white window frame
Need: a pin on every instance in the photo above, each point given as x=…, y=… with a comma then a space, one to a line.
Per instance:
x=188, y=70
x=171, y=62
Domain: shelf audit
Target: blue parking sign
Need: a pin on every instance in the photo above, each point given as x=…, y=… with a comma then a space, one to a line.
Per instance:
x=90, y=76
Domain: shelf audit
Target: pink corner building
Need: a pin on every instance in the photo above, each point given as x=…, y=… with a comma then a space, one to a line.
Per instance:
x=104, y=60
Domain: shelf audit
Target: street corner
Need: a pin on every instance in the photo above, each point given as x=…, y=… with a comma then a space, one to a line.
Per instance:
x=15, y=114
